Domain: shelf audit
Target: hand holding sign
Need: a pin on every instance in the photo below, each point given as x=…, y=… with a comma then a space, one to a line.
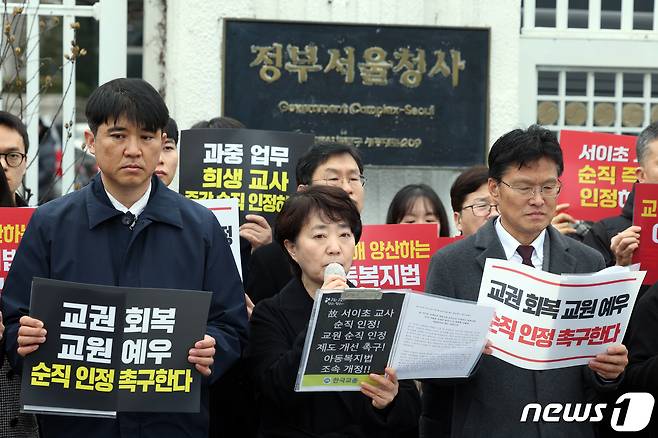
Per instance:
x=202, y=355
x=30, y=334
x=624, y=244
x=564, y=222
x=384, y=390
x=610, y=364
x=256, y=230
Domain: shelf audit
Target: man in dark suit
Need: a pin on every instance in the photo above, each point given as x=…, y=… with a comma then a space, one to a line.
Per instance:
x=524, y=167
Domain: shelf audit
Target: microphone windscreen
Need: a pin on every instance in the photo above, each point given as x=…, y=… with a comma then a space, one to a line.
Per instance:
x=333, y=269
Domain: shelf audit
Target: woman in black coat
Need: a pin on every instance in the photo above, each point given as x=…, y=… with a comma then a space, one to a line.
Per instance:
x=318, y=226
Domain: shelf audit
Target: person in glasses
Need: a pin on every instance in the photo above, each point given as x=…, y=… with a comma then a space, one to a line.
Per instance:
x=330, y=164
x=418, y=204
x=13, y=149
x=472, y=204
x=524, y=171
x=13, y=152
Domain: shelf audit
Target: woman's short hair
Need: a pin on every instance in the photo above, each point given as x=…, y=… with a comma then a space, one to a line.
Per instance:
x=404, y=200
x=331, y=203
x=467, y=182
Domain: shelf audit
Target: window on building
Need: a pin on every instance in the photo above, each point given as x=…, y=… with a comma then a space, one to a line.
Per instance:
x=620, y=102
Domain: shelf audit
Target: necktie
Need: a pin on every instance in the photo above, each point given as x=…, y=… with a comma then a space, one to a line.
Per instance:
x=129, y=219
x=525, y=251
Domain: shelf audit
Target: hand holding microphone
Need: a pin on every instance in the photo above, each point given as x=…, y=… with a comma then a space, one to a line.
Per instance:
x=334, y=277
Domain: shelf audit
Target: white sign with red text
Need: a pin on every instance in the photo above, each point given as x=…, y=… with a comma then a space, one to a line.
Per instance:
x=545, y=321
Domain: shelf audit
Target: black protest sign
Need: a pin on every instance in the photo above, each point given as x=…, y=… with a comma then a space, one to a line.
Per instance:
x=256, y=167
x=350, y=339
x=113, y=349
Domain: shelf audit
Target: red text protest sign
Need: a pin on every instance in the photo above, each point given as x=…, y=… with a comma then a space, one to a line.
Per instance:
x=395, y=256
x=599, y=172
x=12, y=227
x=645, y=214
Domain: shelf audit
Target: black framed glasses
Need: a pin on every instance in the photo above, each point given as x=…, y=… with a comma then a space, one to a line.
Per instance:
x=547, y=190
x=13, y=159
x=481, y=210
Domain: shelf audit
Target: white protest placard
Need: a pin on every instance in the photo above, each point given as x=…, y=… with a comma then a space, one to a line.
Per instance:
x=545, y=321
x=227, y=213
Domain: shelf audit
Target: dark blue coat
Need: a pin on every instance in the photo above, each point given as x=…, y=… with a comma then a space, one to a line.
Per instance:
x=176, y=244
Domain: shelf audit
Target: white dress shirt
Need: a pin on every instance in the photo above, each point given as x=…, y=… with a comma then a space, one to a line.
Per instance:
x=510, y=245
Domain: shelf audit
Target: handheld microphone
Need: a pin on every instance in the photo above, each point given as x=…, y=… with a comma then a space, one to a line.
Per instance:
x=334, y=269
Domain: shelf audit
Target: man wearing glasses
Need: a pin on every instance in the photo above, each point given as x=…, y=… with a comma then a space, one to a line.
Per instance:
x=524, y=167
x=13, y=149
x=324, y=163
x=472, y=204
x=13, y=152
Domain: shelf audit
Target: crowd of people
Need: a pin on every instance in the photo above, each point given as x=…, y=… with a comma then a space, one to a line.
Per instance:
x=257, y=326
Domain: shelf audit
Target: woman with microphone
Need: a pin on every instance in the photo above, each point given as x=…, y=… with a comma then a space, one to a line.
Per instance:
x=318, y=227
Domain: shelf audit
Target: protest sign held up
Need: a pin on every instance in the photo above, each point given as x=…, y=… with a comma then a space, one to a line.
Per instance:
x=112, y=349
x=12, y=227
x=395, y=256
x=256, y=167
x=645, y=214
x=545, y=321
x=599, y=172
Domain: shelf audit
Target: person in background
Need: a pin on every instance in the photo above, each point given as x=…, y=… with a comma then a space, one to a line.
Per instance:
x=13, y=144
x=318, y=226
x=472, y=204
x=331, y=164
x=168, y=163
x=418, y=204
x=616, y=238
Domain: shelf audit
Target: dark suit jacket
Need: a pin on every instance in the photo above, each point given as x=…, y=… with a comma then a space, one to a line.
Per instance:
x=268, y=272
x=642, y=370
x=278, y=330
x=491, y=401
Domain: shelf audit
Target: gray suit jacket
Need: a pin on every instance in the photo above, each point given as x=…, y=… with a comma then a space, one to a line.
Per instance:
x=490, y=402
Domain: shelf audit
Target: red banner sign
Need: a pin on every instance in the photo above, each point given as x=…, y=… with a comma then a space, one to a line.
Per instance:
x=599, y=172
x=12, y=227
x=645, y=214
x=395, y=256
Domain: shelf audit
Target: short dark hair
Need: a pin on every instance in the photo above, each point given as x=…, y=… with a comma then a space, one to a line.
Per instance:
x=648, y=134
x=467, y=182
x=330, y=202
x=404, y=200
x=171, y=129
x=318, y=154
x=132, y=98
x=14, y=123
x=218, y=122
x=521, y=147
